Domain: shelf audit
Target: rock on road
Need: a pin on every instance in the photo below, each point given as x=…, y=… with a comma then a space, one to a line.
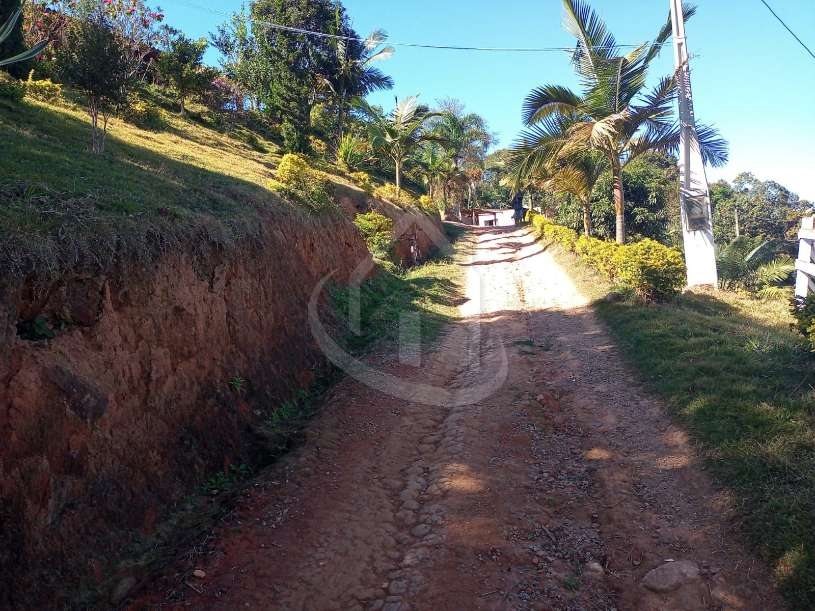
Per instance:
x=567, y=487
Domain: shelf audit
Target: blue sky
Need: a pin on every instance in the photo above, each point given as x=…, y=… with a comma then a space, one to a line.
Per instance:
x=750, y=78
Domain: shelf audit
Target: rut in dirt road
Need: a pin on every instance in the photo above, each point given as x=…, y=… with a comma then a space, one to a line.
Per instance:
x=561, y=490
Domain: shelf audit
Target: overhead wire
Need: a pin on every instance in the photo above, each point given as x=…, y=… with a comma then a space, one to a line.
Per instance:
x=446, y=47
x=782, y=22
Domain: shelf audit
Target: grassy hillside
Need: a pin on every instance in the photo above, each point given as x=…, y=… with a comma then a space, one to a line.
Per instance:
x=187, y=181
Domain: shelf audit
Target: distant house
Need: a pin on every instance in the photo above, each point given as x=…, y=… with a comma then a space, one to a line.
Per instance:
x=487, y=217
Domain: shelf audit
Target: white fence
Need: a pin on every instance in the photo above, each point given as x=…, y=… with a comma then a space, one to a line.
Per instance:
x=805, y=279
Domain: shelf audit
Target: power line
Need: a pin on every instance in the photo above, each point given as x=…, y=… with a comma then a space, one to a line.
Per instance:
x=446, y=47
x=794, y=35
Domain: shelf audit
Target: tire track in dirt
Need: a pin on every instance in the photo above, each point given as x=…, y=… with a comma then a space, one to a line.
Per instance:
x=559, y=491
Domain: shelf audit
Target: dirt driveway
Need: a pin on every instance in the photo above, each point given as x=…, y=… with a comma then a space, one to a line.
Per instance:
x=563, y=489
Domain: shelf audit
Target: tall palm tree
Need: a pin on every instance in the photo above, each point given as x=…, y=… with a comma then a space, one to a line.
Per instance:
x=356, y=76
x=577, y=175
x=614, y=114
x=466, y=139
x=397, y=134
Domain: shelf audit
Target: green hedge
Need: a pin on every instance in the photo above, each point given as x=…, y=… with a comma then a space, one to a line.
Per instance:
x=653, y=270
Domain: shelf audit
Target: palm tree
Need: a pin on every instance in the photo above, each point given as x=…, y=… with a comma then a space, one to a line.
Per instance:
x=398, y=133
x=436, y=165
x=356, y=75
x=614, y=114
x=577, y=175
x=466, y=139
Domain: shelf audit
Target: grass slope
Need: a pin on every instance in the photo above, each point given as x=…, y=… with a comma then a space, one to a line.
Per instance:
x=187, y=182
x=743, y=385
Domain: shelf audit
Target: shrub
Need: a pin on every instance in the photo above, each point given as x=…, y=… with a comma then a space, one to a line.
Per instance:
x=803, y=309
x=544, y=228
x=377, y=230
x=144, y=114
x=389, y=192
x=599, y=254
x=363, y=181
x=44, y=90
x=565, y=236
x=11, y=88
x=351, y=152
x=303, y=183
x=427, y=204
x=319, y=147
x=653, y=270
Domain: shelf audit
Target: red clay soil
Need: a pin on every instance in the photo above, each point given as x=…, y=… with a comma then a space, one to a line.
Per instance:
x=560, y=490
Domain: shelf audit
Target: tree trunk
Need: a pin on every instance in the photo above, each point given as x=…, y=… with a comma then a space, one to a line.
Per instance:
x=183, y=107
x=738, y=226
x=619, y=199
x=340, y=119
x=399, y=178
x=587, y=218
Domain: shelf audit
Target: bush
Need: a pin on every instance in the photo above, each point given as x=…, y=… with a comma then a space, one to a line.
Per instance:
x=389, y=192
x=544, y=228
x=363, y=181
x=11, y=88
x=803, y=309
x=598, y=253
x=427, y=204
x=144, y=114
x=319, y=147
x=44, y=90
x=653, y=270
x=352, y=152
x=303, y=183
x=377, y=230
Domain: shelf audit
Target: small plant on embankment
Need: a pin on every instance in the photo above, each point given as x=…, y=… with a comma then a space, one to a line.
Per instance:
x=377, y=231
x=305, y=184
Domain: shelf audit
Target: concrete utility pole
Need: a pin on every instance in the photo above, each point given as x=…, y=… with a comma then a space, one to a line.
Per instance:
x=694, y=197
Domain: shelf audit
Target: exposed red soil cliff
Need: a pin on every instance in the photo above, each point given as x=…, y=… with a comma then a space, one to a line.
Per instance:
x=129, y=407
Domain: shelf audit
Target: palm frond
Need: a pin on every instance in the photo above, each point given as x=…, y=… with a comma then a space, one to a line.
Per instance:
x=547, y=100
x=715, y=149
x=594, y=40
x=688, y=11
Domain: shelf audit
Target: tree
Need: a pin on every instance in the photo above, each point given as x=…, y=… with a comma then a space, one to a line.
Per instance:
x=751, y=207
x=240, y=61
x=293, y=61
x=12, y=48
x=94, y=61
x=466, y=139
x=613, y=114
x=577, y=175
x=181, y=65
x=356, y=76
x=436, y=167
x=397, y=134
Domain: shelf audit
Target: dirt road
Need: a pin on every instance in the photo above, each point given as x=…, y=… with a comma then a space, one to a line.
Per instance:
x=563, y=489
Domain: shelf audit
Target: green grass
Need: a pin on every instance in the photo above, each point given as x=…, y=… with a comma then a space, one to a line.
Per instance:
x=742, y=384
x=191, y=182
x=432, y=290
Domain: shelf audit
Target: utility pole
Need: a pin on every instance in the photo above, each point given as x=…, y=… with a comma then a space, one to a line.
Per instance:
x=694, y=197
